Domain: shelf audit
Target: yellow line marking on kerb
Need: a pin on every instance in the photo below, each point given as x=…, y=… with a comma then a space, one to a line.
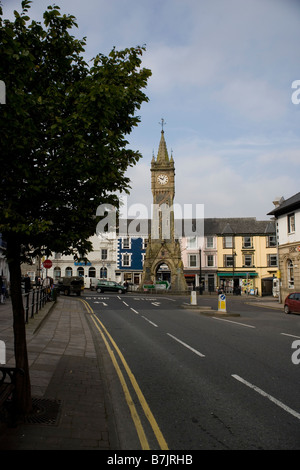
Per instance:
x=134, y=414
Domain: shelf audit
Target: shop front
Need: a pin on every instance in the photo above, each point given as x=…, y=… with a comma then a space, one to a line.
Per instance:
x=238, y=282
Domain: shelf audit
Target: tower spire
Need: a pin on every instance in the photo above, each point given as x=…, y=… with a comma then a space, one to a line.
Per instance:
x=162, y=155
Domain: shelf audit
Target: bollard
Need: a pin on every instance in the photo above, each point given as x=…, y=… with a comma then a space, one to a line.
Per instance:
x=193, y=298
x=222, y=303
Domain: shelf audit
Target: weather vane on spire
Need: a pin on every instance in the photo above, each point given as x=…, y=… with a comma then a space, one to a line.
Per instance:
x=162, y=123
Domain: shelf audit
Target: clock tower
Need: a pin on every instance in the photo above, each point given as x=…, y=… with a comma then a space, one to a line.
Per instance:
x=163, y=256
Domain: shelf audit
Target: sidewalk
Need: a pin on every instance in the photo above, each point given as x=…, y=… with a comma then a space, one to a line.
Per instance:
x=67, y=382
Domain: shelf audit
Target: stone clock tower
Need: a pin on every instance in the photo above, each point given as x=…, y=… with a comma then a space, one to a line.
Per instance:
x=163, y=255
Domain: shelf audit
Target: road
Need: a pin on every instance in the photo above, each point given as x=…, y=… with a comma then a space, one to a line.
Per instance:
x=194, y=381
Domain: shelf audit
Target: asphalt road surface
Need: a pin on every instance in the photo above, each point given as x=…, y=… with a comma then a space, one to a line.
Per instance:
x=182, y=380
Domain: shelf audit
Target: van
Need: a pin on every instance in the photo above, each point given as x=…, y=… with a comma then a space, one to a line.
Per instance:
x=90, y=282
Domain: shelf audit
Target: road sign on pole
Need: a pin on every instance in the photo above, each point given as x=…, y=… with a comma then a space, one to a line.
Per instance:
x=47, y=263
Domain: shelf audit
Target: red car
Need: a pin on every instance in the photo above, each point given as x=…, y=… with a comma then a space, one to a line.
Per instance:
x=292, y=303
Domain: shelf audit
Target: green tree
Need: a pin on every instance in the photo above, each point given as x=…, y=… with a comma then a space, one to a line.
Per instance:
x=63, y=144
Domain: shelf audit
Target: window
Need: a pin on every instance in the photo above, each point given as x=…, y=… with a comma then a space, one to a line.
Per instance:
x=92, y=272
x=69, y=272
x=192, y=260
x=291, y=223
x=209, y=242
x=290, y=274
x=56, y=273
x=248, y=262
x=228, y=261
x=272, y=260
x=271, y=241
x=126, y=243
x=228, y=242
x=126, y=259
x=80, y=271
x=191, y=242
x=247, y=242
x=145, y=242
x=103, y=273
x=210, y=260
x=103, y=254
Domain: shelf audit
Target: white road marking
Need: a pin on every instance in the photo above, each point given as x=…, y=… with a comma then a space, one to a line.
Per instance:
x=134, y=311
x=264, y=394
x=236, y=322
x=150, y=321
x=293, y=336
x=186, y=345
x=125, y=304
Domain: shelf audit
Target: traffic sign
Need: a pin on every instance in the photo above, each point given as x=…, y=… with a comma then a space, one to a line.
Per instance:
x=47, y=263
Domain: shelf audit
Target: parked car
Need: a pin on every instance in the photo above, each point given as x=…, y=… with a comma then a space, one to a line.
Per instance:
x=70, y=285
x=292, y=303
x=110, y=286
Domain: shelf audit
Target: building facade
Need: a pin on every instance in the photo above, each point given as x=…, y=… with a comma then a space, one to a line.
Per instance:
x=287, y=218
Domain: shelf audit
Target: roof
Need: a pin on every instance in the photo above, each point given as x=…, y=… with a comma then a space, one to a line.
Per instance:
x=287, y=205
x=213, y=226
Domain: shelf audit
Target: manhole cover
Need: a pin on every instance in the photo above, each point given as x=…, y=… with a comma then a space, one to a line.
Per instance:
x=44, y=411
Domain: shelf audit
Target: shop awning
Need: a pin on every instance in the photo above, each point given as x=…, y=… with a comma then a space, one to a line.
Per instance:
x=237, y=274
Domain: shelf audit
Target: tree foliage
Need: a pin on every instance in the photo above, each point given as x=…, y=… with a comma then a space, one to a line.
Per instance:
x=63, y=130
x=63, y=142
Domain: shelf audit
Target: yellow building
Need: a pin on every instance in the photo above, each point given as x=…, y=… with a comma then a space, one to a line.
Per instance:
x=246, y=256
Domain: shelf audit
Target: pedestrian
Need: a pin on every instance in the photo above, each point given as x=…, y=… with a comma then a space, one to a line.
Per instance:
x=27, y=283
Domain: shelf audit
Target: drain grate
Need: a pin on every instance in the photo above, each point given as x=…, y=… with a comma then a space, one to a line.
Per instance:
x=44, y=411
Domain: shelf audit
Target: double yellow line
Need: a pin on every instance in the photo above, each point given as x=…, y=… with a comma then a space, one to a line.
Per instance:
x=133, y=411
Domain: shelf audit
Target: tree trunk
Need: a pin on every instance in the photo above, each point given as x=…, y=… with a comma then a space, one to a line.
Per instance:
x=23, y=386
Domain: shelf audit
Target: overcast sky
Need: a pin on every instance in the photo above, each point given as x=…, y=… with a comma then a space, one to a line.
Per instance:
x=222, y=74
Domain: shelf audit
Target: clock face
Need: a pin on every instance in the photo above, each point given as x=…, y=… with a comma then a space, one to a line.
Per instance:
x=162, y=179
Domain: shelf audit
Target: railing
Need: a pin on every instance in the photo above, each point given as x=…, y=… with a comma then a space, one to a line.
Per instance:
x=34, y=300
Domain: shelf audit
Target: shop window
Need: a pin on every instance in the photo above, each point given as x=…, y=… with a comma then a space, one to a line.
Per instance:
x=69, y=272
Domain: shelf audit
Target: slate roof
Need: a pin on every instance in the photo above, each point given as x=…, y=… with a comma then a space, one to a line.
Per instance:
x=287, y=205
x=217, y=226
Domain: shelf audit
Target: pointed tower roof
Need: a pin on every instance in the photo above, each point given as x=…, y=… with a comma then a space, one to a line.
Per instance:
x=162, y=156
